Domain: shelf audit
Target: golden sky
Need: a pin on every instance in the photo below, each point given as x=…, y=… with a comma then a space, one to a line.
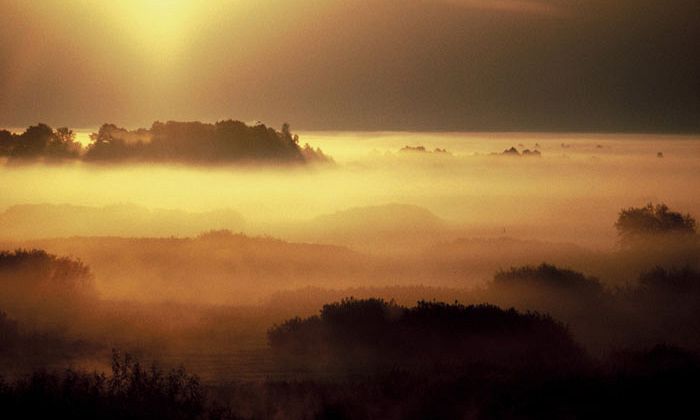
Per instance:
x=360, y=65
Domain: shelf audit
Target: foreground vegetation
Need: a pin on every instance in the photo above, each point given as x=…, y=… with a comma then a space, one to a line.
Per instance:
x=657, y=382
x=551, y=343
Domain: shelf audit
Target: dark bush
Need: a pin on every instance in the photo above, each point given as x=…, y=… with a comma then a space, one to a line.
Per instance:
x=678, y=281
x=9, y=332
x=356, y=333
x=44, y=290
x=638, y=223
x=36, y=271
x=565, y=294
x=546, y=277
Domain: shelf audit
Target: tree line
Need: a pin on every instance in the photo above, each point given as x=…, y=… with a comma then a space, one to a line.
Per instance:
x=180, y=142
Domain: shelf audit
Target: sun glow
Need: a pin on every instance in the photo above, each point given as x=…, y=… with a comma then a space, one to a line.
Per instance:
x=157, y=25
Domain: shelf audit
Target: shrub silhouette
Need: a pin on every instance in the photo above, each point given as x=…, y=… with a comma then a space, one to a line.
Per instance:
x=637, y=223
x=9, y=332
x=39, y=287
x=534, y=152
x=355, y=333
x=659, y=358
x=23, y=349
x=131, y=391
x=664, y=306
x=548, y=277
x=38, y=271
x=678, y=281
x=659, y=381
x=564, y=293
x=422, y=149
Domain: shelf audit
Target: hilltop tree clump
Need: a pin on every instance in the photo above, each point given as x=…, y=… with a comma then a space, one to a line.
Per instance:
x=194, y=142
x=200, y=143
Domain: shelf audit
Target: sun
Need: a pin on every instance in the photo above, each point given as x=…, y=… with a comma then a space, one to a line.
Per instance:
x=157, y=25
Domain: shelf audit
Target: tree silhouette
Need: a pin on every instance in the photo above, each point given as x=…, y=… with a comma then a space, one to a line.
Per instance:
x=200, y=143
x=40, y=142
x=188, y=142
x=6, y=142
x=63, y=145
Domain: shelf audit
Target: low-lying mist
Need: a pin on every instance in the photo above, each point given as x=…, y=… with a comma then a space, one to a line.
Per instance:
x=520, y=253
x=570, y=193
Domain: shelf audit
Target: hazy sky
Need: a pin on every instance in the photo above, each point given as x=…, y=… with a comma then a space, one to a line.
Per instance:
x=599, y=65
